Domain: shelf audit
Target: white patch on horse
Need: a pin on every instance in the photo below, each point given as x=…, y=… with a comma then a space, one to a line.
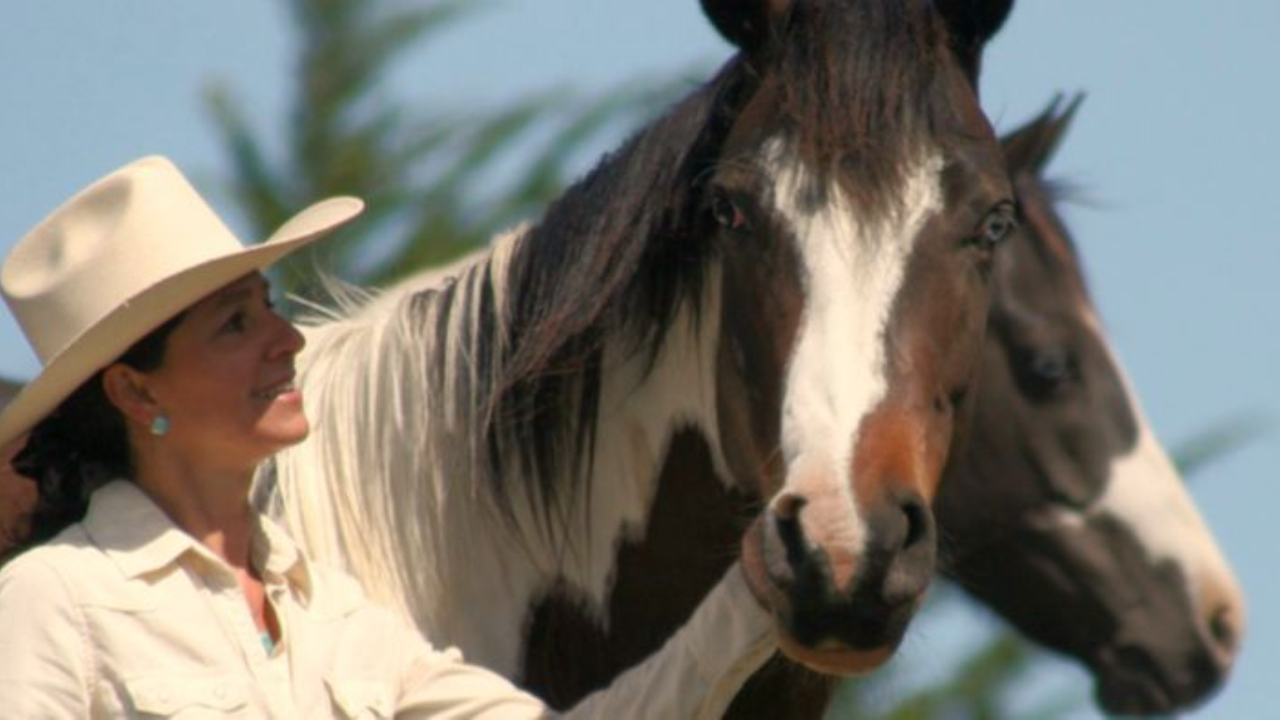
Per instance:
x=853, y=271
x=641, y=409
x=1146, y=494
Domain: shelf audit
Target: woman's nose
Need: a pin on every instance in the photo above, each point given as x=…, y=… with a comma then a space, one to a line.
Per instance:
x=289, y=340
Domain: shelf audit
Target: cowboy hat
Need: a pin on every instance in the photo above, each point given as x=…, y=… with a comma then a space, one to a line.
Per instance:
x=118, y=260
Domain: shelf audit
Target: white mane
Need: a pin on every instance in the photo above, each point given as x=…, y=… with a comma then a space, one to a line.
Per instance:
x=395, y=385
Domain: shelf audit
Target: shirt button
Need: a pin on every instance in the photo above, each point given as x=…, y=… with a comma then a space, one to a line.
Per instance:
x=220, y=692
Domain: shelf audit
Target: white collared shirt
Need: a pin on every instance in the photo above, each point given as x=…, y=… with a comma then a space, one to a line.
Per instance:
x=125, y=615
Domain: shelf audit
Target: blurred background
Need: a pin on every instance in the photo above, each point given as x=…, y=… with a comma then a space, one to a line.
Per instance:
x=461, y=118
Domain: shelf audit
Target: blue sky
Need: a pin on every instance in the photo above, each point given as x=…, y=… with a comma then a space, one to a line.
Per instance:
x=1177, y=146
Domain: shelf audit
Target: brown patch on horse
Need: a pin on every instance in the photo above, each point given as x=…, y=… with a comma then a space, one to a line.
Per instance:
x=691, y=540
x=890, y=451
x=784, y=690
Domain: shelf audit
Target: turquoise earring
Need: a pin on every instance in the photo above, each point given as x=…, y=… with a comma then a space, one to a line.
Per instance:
x=160, y=425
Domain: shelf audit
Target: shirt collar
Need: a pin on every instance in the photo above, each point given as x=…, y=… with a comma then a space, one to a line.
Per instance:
x=278, y=557
x=132, y=530
x=140, y=538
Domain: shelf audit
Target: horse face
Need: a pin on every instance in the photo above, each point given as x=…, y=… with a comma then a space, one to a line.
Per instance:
x=870, y=216
x=1062, y=509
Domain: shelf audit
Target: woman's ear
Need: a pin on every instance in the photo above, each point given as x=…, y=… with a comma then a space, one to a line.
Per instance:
x=126, y=388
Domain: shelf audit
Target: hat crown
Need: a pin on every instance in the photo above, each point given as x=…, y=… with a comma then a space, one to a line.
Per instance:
x=104, y=246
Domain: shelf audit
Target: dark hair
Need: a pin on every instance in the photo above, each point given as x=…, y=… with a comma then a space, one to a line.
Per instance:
x=82, y=445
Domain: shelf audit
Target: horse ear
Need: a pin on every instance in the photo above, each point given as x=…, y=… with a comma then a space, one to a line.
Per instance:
x=1030, y=147
x=972, y=23
x=746, y=24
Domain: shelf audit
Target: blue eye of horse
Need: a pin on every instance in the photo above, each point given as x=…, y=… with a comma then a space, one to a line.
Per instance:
x=997, y=225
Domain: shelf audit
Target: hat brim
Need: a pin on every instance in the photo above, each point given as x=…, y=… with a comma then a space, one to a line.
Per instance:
x=108, y=339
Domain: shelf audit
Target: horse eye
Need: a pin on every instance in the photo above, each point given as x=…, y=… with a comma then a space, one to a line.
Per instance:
x=1054, y=368
x=997, y=225
x=727, y=214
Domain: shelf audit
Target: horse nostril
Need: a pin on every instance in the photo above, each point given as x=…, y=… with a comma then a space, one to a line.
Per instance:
x=902, y=567
x=946, y=404
x=787, y=506
x=1222, y=629
x=919, y=523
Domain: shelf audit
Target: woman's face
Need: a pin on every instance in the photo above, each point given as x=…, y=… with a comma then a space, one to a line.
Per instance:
x=226, y=380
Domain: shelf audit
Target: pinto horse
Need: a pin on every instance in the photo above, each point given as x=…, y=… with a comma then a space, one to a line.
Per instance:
x=1064, y=514
x=1059, y=509
x=794, y=262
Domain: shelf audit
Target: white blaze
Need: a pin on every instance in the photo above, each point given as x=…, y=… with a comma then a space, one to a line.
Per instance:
x=1146, y=494
x=853, y=269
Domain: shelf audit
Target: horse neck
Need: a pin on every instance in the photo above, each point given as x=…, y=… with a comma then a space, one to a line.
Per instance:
x=647, y=391
x=387, y=485
x=643, y=403
x=404, y=479
x=609, y=351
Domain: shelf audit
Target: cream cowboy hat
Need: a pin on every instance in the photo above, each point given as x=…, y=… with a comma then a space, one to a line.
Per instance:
x=119, y=259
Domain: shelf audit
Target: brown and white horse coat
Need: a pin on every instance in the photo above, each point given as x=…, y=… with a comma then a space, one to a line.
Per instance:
x=806, y=287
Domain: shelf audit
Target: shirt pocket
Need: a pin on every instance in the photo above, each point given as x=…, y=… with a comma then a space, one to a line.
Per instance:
x=360, y=698
x=188, y=697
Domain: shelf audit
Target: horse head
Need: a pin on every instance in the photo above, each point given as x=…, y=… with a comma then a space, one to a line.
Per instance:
x=854, y=204
x=1062, y=511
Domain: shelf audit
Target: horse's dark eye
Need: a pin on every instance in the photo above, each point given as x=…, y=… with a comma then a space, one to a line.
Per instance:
x=727, y=214
x=1053, y=368
x=996, y=226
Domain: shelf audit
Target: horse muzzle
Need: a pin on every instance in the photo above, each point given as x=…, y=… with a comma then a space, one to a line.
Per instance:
x=841, y=598
x=1132, y=681
x=1162, y=665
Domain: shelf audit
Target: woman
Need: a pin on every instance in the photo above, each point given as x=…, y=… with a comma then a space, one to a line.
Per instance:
x=167, y=378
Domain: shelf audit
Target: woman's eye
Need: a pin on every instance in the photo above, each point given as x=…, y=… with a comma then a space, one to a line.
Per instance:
x=996, y=226
x=236, y=323
x=727, y=214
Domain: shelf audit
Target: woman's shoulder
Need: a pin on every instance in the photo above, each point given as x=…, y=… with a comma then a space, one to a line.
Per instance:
x=72, y=544
x=54, y=566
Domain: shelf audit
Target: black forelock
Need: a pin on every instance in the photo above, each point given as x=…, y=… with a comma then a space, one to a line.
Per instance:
x=860, y=82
